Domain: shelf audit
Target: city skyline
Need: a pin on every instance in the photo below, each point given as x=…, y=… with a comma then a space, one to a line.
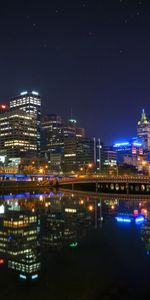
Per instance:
x=91, y=56
x=75, y=117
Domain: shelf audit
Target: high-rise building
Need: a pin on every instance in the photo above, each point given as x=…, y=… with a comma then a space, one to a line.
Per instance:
x=18, y=133
x=73, y=136
x=143, y=131
x=70, y=154
x=109, y=156
x=53, y=140
x=30, y=102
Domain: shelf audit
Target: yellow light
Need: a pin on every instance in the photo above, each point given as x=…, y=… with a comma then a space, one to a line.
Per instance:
x=81, y=202
x=90, y=207
x=112, y=206
x=41, y=170
x=90, y=165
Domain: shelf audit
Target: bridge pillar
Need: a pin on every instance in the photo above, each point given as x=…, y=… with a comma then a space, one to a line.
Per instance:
x=96, y=187
x=127, y=187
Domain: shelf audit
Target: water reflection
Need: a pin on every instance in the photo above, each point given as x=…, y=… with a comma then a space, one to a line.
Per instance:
x=32, y=226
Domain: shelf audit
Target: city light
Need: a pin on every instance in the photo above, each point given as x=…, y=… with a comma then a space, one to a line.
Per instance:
x=81, y=202
x=2, y=209
x=121, y=144
x=1, y=261
x=22, y=276
x=23, y=93
x=90, y=208
x=35, y=93
x=139, y=219
x=123, y=220
x=73, y=245
x=34, y=276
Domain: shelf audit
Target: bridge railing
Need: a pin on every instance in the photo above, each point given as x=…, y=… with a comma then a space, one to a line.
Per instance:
x=104, y=178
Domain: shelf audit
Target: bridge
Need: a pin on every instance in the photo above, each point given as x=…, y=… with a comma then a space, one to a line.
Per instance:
x=111, y=186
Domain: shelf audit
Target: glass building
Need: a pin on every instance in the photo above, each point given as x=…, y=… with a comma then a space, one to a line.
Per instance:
x=18, y=133
x=52, y=140
x=30, y=102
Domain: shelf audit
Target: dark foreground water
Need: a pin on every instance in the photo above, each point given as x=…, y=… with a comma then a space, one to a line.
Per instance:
x=69, y=247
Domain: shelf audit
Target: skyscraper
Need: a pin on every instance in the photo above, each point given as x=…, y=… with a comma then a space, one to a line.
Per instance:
x=53, y=140
x=143, y=131
x=30, y=102
x=18, y=134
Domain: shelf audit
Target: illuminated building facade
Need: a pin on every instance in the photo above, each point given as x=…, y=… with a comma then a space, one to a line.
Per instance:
x=128, y=148
x=109, y=156
x=30, y=102
x=143, y=131
x=81, y=152
x=70, y=154
x=78, y=150
x=53, y=140
x=18, y=134
x=19, y=242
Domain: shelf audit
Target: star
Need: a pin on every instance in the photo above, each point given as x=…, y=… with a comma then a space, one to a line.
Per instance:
x=125, y=21
x=90, y=33
x=84, y=4
x=123, y=50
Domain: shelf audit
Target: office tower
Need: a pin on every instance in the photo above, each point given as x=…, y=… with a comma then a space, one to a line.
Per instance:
x=109, y=156
x=85, y=151
x=70, y=154
x=19, y=242
x=72, y=145
x=30, y=102
x=53, y=140
x=143, y=131
x=18, y=134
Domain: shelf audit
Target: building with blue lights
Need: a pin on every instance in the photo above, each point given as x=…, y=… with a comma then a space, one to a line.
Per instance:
x=132, y=148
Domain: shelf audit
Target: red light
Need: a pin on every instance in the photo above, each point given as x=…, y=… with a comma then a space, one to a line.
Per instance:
x=135, y=212
x=3, y=106
x=1, y=261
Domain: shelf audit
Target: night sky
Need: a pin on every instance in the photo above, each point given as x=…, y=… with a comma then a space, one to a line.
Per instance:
x=91, y=56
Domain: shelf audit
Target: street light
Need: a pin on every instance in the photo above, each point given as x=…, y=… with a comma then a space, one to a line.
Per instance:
x=41, y=170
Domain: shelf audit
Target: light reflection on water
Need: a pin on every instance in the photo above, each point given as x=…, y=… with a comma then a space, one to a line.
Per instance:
x=107, y=236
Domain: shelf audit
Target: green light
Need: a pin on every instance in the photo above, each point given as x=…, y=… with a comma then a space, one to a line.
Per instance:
x=73, y=245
